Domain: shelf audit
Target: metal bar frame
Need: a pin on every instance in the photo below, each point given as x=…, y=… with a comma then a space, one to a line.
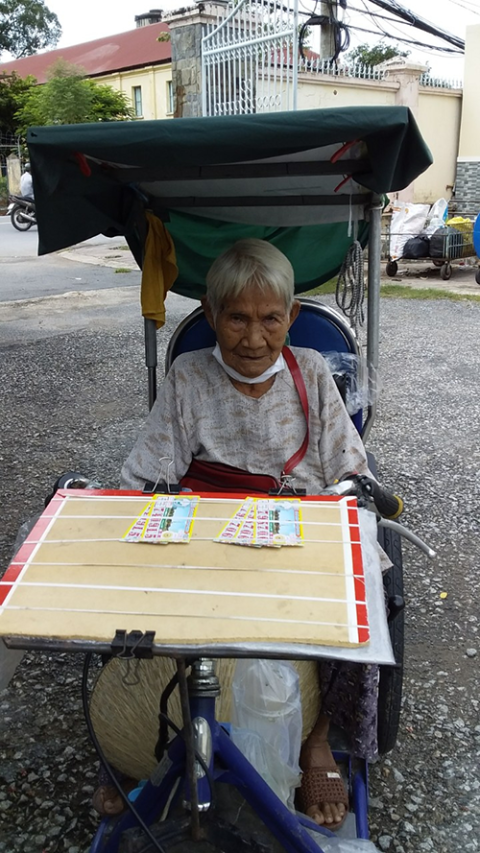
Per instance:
x=373, y=306
x=262, y=201
x=257, y=44
x=242, y=171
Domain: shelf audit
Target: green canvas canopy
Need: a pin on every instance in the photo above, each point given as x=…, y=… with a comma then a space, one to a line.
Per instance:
x=302, y=180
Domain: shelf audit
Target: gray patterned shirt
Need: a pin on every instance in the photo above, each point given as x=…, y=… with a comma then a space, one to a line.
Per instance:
x=199, y=413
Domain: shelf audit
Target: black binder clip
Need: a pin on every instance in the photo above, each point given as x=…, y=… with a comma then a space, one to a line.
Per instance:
x=136, y=644
x=161, y=488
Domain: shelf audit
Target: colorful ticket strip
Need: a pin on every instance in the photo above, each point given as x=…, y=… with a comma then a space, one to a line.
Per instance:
x=278, y=522
x=165, y=519
x=235, y=524
x=263, y=522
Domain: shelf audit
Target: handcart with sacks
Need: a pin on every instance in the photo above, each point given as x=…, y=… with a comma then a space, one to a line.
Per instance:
x=181, y=192
x=422, y=234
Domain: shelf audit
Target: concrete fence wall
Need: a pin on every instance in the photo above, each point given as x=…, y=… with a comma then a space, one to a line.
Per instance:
x=439, y=115
x=437, y=110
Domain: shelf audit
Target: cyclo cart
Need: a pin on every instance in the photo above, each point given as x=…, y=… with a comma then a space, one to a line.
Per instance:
x=311, y=182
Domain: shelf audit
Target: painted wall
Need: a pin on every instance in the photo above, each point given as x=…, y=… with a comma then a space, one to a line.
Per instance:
x=469, y=147
x=436, y=110
x=438, y=116
x=153, y=81
x=321, y=91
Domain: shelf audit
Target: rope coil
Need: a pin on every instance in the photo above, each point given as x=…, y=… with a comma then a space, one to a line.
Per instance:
x=350, y=290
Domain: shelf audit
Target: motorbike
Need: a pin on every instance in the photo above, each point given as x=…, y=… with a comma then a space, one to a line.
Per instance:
x=21, y=210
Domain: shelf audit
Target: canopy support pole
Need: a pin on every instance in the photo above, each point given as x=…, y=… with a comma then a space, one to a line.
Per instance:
x=373, y=309
x=151, y=362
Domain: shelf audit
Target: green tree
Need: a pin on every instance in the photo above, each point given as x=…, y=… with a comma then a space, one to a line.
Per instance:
x=108, y=104
x=374, y=54
x=69, y=98
x=27, y=26
x=12, y=89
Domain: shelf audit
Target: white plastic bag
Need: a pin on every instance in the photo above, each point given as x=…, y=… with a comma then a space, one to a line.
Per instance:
x=262, y=756
x=439, y=210
x=266, y=701
x=362, y=390
x=9, y=660
x=408, y=220
x=345, y=845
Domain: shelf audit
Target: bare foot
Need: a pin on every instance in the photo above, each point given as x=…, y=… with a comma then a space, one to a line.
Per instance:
x=107, y=800
x=317, y=756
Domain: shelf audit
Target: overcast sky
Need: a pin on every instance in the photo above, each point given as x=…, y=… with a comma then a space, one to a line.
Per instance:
x=92, y=19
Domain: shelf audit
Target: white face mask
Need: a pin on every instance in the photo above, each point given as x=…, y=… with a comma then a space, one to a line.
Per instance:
x=248, y=380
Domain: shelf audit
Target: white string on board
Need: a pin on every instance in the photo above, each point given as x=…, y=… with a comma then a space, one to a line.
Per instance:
x=180, y=591
x=196, y=539
x=326, y=500
x=187, y=616
x=192, y=567
x=197, y=518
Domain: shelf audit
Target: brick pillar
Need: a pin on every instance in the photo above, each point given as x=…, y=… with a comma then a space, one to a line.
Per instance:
x=186, y=32
x=407, y=74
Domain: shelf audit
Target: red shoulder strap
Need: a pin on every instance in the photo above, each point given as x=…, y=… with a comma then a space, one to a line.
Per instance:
x=302, y=393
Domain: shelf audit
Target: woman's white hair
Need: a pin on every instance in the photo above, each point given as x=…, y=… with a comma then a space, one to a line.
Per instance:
x=249, y=263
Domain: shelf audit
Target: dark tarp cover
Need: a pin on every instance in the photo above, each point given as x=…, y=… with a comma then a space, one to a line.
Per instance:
x=98, y=179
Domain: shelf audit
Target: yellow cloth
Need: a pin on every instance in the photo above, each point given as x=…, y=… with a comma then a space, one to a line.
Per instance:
x=159, y=270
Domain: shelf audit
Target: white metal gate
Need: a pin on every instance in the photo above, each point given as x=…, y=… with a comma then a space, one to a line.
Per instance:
x=250, y=59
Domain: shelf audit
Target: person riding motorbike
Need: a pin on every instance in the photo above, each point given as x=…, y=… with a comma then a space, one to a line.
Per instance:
x=26, y=183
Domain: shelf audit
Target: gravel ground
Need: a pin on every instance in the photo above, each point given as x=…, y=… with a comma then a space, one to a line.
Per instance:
x=69, y=403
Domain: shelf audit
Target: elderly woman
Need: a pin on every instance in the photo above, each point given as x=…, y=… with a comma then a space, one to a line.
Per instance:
x=239, y=405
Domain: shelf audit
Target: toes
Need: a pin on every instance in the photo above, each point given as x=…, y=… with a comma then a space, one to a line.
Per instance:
x=113, y=806
x=335, y=812
x=329, y=812
x=332, y=813
x=107, y=800
x=316, y=814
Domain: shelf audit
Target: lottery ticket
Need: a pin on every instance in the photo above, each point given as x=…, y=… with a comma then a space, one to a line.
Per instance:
x=135, y=531
x=281, y=522
x=229, y=534
x=169, y=519
x=264, y=522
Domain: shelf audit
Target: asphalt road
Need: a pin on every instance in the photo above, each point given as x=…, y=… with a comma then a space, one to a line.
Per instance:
x=24, y=275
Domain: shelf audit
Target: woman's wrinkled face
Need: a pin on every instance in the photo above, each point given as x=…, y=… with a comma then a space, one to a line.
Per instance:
x=251, y=329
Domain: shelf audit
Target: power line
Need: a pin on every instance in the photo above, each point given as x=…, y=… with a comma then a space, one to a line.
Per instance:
x=409, y=41
x=472, y=8
x=375, y=15
x=418, y=22
x=408, y=19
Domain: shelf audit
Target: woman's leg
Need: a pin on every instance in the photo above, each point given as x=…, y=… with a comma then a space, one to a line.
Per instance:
x=349, y=700
x=349, y=695
x=106, y=799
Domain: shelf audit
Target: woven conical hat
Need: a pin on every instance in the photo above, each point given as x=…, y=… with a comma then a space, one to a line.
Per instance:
x=126, y=698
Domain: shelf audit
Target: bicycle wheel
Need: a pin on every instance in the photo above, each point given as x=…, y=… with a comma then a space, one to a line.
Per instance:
x=391, y=678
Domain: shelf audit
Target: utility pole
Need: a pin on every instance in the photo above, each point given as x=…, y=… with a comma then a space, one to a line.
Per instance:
x=328, y=9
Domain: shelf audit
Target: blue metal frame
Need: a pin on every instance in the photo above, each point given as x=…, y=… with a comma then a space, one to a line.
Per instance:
x=232, y=768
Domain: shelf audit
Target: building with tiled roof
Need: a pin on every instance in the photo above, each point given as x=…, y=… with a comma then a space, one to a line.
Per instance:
x=137, y=62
